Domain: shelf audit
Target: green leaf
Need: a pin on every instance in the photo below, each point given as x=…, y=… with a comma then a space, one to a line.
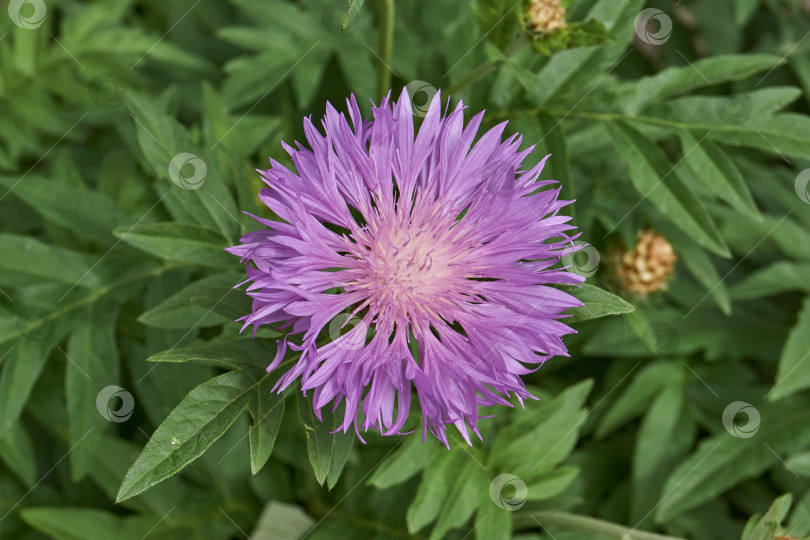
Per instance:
x=471, y=485
x=180, y=311
x=768, y=526
x=657, y=180
x=17, y=452
x=793, y=373
x=492, y=522
x=635, y=399
x=84, y=523
x=282, y=521
x=498, y=19
x=352, y=13
x=178, y=242
x=547, y=432
x=38, y=261
x=92, y=368
x=552, y=483
x=724, y=460
x=195, y=424
x=267, y=410
x=230, y=303
x=20, y=372
x=718, y=174
x=252, y=354
x=90, y=214
x=704, y=72
x=162, y=140
x=327, y=451
x=598, y=303
x=413, y=456
x=776, y=278
x=437, y=481
x=655, y=443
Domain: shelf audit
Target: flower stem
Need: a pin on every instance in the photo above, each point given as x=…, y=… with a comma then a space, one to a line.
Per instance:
x=584, y=524
x=386, y=47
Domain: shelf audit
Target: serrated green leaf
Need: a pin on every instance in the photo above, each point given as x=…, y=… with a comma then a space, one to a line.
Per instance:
x=492, y=522
x=471, y=485
x=657, y=180
x=17, y=452
x=724, y=460
x=547, y=431
x=84, y=523
x=704, y=72
x=195, y=424
x=282, y=521
x=413, y=456
x=776, y=278
x=178, y=242
x=38, y=261
x=91, y=367
x=634, y=400
x=87, y=213
x=718, y=173
x=327, y=451
x=794, y=369
x=437, y=481
x=267, y=410
x=252, y=354
x=180, y=310
x=21, y=369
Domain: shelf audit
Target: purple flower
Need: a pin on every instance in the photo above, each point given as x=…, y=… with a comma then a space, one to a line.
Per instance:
x=428, y=260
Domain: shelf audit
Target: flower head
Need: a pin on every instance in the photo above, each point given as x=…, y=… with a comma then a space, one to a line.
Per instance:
x=428, y=260
x=646, y=268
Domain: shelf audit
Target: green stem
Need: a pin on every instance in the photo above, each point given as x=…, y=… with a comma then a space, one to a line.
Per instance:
x=583, y=524
x=386, y=46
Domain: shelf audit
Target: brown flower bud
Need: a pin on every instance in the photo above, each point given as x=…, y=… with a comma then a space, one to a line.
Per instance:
x=647, y=267
x=545, y=15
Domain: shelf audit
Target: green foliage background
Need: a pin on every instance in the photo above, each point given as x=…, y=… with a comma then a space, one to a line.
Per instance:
x=113, y=276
